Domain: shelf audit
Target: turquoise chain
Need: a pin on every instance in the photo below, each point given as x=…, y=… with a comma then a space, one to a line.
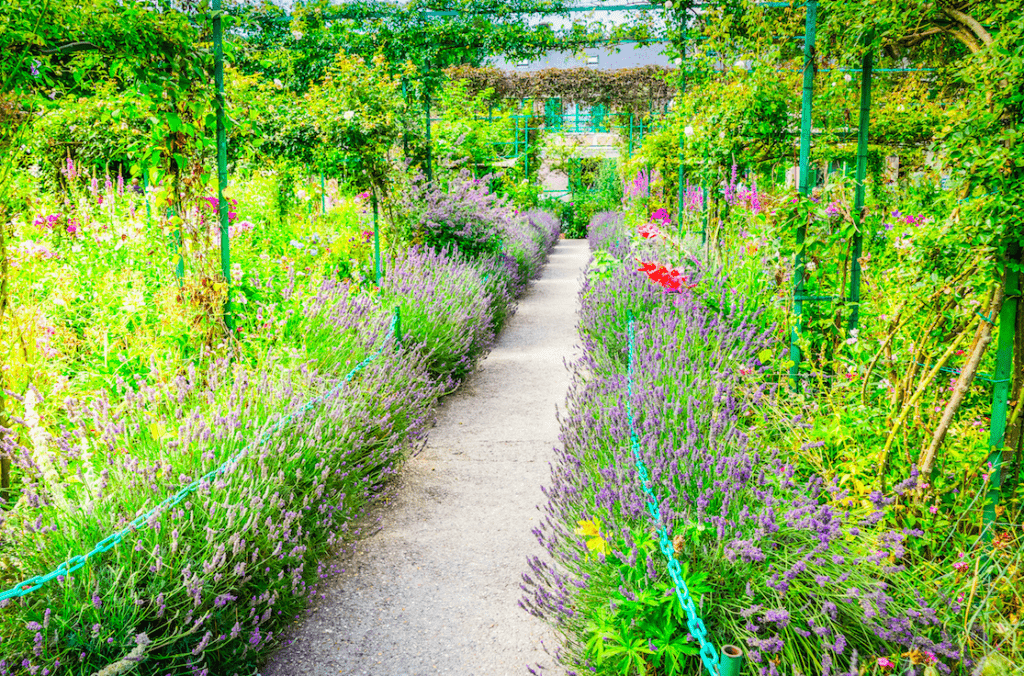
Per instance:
x=695, y=625
x=142, y=521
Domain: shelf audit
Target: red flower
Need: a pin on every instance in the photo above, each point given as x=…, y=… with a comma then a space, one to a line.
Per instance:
x=671, y=279
x=648, y=230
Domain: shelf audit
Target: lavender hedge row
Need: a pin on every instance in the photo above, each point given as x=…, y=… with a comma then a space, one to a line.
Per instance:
x=802, y=584
x=210, y=584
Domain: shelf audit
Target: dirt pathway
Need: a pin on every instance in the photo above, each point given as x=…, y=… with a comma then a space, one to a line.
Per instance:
x=435, y=591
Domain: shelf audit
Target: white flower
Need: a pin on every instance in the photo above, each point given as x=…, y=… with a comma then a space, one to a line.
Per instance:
x=668, y=5
x=688, y=130
x=348, y=115
x=848, y=77
x=133, y=302
x=40, y=453
x=811, y=266
x=679, y=60
x=278, y=83
x=884, y=384
x=903, y=244
x=297, y=35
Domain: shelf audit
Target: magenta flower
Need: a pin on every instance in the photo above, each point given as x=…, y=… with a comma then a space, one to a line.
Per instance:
x=886, y=663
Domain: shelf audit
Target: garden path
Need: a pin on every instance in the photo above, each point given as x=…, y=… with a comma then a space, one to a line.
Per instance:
x=435, y=590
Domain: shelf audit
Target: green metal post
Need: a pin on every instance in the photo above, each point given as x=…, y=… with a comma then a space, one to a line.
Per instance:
x=679, y=205
x=731, y=661
x=805, y=186
x=430, y=167
x=526, y=148
x=405, y=127
x=145, y=193
x=630, y=135
x=682, y=136
x=179, y=268
x=707, y=219
x=323, y=196
x=858, y=195
x=1001, y=390
x=222, y=155
x=398, y=324
x=376, y=240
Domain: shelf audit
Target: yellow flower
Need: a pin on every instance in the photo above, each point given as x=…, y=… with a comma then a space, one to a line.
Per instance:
x=592, y=531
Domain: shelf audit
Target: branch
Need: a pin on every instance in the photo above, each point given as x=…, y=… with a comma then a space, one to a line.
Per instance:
x=965, y=37
x=963, y=383
x=916, y=37
x=921, y=387
x=71, y=47
x=970, y=22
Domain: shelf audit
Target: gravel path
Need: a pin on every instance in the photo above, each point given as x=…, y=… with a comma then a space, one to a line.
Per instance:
x=435, y=591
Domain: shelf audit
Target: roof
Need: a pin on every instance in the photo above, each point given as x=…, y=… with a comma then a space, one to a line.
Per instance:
x=599, y=58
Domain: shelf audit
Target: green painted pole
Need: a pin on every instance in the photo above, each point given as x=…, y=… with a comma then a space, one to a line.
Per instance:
x=630, y=135
x=398, y=325
x=145, y=193
x=1000, y=392
x=430, y=165
x=805, y=187
x=731, y=661
x=679, y=204
x=682, y=136
x=222, y=156
x=376, y=240
x=526, y=146
x=179, y=268
x=405, y=126
x=858, y=195
x=707, y=219
x=323, y=196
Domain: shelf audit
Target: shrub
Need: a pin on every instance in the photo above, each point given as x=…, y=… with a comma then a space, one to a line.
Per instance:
x=783, y=568
x=445, y=306
x=212, y=579
x=463, y=215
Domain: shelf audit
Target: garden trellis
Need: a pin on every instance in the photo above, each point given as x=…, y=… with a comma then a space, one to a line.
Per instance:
x=1007, y=320
x=848, y=310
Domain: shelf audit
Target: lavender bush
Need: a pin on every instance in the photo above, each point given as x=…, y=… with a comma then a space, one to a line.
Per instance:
x=802, y=583
x=463, y=215
x=445, y=305
x=207, y=586
x=210, y=584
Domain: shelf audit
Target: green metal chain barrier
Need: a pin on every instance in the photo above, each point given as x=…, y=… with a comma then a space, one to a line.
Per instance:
x=709, y=656
x=142, y=521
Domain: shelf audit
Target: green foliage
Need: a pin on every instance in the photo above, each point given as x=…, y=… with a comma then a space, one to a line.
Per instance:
x=644, y=628
x=470, y=130
x=358, y=110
